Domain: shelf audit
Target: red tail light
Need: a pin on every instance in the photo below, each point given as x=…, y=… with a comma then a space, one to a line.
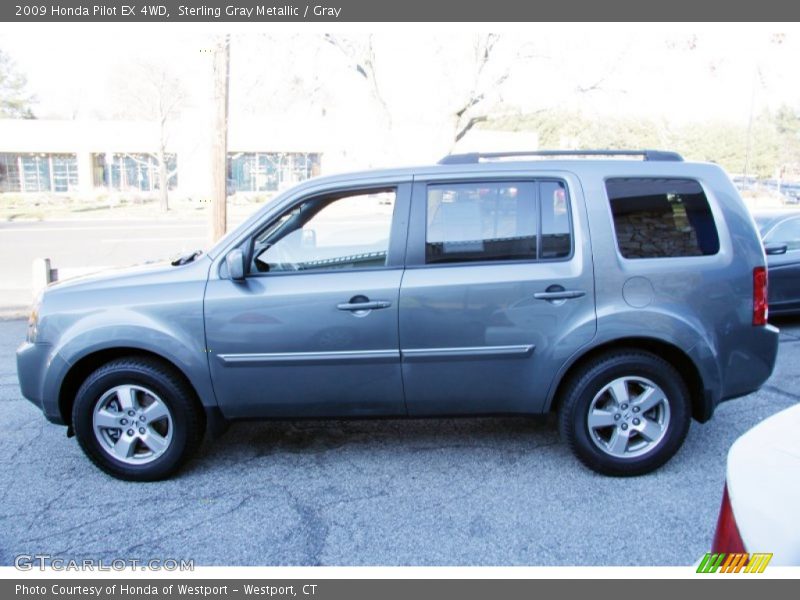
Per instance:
x=727, y=538
x=760, y=307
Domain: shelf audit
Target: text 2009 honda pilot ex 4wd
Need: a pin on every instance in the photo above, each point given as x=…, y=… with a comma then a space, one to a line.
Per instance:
x=627, y=295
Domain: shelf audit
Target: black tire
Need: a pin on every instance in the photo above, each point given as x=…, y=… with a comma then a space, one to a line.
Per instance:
x=595, y=446
x=183, y=428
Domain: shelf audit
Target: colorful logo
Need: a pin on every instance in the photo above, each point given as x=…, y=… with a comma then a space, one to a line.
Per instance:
x=734, y=563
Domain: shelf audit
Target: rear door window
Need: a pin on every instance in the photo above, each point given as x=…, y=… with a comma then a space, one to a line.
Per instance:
x=497, y=221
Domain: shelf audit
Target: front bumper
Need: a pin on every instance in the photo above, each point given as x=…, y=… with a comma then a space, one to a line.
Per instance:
x=33, y=364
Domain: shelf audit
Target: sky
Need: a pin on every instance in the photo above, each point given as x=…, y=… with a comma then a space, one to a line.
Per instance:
x=683, y=73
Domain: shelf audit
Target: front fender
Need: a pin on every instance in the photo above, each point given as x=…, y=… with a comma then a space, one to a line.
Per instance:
x=183, y=346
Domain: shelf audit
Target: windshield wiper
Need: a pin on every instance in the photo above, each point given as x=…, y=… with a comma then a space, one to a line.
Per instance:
x=184, y=259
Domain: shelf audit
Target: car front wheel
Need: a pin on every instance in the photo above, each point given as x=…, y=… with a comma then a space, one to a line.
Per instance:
x=136, y=419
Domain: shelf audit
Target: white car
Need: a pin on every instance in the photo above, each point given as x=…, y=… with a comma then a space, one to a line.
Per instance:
x=762, y=494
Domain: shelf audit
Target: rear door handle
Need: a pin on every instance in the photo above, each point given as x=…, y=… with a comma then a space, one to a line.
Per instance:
x=559, y=295
x=368, y=305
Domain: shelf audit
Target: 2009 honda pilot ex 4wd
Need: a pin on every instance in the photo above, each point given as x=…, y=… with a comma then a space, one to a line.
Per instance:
x=627, y=295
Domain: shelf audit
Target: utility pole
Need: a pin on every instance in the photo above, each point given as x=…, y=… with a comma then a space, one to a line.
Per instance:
x=756, y=74
x=219, y=138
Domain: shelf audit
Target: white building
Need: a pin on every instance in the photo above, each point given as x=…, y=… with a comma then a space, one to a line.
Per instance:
x=85, y=157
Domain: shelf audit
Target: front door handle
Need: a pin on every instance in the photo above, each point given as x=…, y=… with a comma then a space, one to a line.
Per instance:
x=365, y=305
x=559, y=295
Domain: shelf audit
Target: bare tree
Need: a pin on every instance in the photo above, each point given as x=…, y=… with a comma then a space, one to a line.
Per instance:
x=260, y=87
x=495, y=60
x=486, y=81
x=152, y=92
x=360, y=56
x=478, y=90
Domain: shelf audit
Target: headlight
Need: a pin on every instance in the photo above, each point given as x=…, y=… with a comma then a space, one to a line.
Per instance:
x=33, y=321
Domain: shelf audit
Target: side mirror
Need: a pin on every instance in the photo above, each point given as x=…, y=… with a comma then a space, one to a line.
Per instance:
x=235, y=263
x=773, y=248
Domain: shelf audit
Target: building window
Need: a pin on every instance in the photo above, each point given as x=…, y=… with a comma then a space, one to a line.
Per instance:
x=9, y=173
x=124, y=172
x=269, y=171
x=64, y=172
x=28, y=173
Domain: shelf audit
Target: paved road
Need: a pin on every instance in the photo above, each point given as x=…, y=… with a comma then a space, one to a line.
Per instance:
x=429, y=492
x=78, y=244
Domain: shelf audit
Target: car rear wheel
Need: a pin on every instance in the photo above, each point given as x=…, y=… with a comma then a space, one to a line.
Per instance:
x=625, y=413
x=136, y=419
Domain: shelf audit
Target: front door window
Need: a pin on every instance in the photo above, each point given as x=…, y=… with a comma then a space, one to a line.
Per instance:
x=340, y=232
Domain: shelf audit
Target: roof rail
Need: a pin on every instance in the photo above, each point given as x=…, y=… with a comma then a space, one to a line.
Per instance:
x=476, y=157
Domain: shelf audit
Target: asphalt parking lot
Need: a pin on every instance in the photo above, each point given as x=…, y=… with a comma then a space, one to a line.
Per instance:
x=424, y=492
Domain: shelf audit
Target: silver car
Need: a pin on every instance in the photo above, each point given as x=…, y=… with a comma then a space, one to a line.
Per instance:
x=628, y=296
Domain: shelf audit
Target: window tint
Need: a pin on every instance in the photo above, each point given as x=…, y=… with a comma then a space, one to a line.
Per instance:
x=339, y=232
x=657, y=218
x=481, y=221
x=556, y=242
x=787, y=233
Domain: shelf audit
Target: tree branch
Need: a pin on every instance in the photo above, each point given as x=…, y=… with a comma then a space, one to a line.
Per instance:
x=469, y=125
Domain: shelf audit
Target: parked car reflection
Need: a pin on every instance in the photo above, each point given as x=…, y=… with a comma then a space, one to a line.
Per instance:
x=780, y=231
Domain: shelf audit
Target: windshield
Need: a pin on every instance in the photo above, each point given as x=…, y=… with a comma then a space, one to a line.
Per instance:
x=214, y=250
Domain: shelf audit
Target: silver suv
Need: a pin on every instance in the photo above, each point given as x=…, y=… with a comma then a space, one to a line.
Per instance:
x=629, y=296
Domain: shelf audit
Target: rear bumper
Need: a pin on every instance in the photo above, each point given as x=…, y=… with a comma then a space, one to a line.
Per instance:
x=746, y=366
x=33, y=363
x=751, y=365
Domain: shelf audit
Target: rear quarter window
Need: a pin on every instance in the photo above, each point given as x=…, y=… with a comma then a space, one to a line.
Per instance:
x=661, y=218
